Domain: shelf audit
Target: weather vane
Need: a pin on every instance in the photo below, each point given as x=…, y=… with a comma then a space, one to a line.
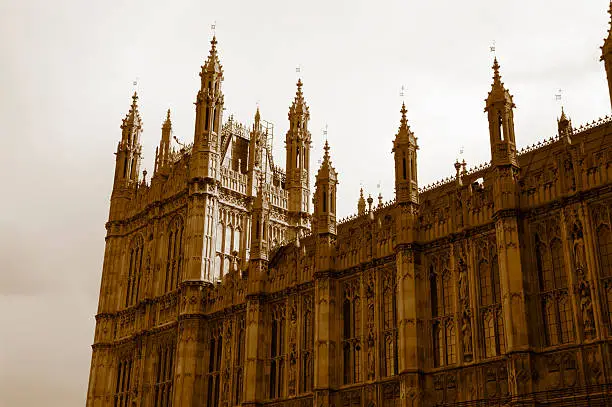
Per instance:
x=492, y=48
x=135, y=84
x=325, y=132
x=558, y=95
x=213, y=27
x=402, y=89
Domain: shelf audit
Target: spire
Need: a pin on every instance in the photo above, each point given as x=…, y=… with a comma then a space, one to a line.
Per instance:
x=212, y=63
x=404, y=153
x=132, y=118
x=361, y=204
x=257, y=117
x=498, y=91
x=326, y=171
x=162, y=154
x=299, y=107
x=404, y=133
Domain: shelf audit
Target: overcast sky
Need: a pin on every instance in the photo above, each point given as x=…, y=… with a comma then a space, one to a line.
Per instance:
x=66, y=80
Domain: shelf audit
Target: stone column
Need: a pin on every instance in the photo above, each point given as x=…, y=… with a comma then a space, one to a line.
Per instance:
x=188, y=383
x=326, y=332
x=255, y=351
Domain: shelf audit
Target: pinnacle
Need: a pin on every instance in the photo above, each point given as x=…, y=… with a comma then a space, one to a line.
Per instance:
x=404, y=128
x=496, y=75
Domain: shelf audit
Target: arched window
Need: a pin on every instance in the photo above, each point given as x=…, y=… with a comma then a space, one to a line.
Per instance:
x=495, y=286
x=404, y=166
x=219, y=239
x=486, y=287
x=556, y=251
x=390, y=325
x=277, y=352
x=174, y=258
x=215, y=351
x=351, y=341
x=164, y=375
x=604, y=246
x=307, y=346
x=433, y=287
x=604, y=251
x=240, y=356
x=566, y=321
x=324, y=201
x=450, y=345
x=135, y=260
x=447, y=291
x=123, y=391
x=552, y=327
x=438, y=344
x=489, y=335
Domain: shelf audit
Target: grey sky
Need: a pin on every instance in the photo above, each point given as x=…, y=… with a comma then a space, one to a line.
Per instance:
x=66, y=80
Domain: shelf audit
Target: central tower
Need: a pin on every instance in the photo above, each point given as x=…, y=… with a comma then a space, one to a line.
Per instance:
x=297, y=144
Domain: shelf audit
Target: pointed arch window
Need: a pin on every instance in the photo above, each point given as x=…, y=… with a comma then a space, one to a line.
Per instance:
x=135, y=261
x=443, y=304
x=555, y=300
x=307, y=345
x=164, y=375
x=604, y=253
x=122, y=396
x=491, y=315
x=351, y=335
x=390, y=325
x=240, y=356
x=215, y=350
x=277, y=351
x=174, y=257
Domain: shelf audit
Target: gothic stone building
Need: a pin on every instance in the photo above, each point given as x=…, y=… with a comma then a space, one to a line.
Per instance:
x=220, y=286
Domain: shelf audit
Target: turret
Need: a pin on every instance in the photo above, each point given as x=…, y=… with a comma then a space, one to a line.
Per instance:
x=209, y=111
x=606, y=55
x=325, y=197
x=127, y=160
x=564, y=126
x=499, y=107
x=162, y=153
x=297, y=143
x=361, y=203
x=404, y=150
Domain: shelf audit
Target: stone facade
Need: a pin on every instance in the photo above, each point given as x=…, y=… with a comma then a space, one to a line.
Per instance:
x=221, y=288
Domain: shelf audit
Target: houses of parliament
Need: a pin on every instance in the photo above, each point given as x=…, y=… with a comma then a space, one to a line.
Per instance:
x=229, y=281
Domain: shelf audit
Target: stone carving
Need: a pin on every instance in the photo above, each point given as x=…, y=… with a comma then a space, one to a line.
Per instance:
x=466, y=333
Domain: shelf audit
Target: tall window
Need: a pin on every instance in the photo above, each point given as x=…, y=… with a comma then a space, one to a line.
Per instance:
x=444, y=341
x=122, y=386
x=134, y=271
x=390, y=325
x=307, y=345
x=174, y=257
x=554, y=296
x=215, y=351
x=239, y=366
x=351, y=332
x=164, y=374
x=277, y=351
x=604, y=251
x=491, y=316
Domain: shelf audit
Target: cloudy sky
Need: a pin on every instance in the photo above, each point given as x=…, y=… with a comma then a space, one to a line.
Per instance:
x=66, y=80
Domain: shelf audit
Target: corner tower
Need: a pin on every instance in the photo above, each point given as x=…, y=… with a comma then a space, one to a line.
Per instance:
x=297, y=143
x=404, y=151
x=324, y=221
x=127, y=161
x=499, y=107
x=209, y=111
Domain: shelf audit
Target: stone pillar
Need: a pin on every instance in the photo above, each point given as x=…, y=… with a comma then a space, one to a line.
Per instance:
x=408, y=318
x=188, y=383
x=255, y=351
x=100, y=377
x=327, y=323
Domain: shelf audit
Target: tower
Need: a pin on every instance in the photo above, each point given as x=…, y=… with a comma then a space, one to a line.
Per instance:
x=499, y=107
x=297, y=143
x=325, y=197
x=404, y=150
x=127, y=161
x=209, y=111
x=606, y=55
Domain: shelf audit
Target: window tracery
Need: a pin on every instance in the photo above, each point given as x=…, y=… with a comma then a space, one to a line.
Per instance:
x=164, y=375
x=491, y=316
x=174, y=262
x=215, y=352
x=351, y=335
x=135, y=260
x=442, y=287
x=277, y=351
